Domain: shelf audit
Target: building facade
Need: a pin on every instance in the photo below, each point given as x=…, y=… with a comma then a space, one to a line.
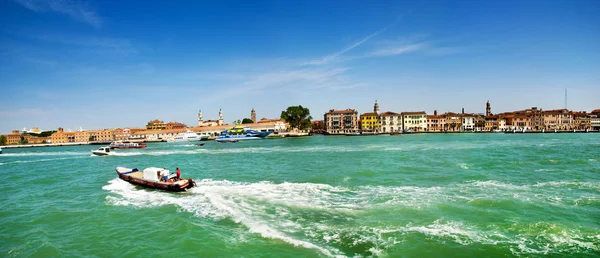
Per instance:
x=414, y=121
x=391, y=122
x=341, y=121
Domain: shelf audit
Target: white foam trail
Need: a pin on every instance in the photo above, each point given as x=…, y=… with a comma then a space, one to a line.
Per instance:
x=34, y=154
x=286, y=212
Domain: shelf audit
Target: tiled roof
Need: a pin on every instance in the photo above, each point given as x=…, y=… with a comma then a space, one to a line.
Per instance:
x=369, y=114
x=414, y=113
x=341, y=111
x=388, y=113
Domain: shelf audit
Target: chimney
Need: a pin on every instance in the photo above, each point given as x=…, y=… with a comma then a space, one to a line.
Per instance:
x=435, y=112
x=463, y=111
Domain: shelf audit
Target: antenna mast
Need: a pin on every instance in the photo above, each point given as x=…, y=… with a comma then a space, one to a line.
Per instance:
x=565, y=98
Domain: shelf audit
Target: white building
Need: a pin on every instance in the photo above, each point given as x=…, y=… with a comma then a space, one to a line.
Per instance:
x=391, y=122
x=414, y=121
x=210, y=122
x=468, y=122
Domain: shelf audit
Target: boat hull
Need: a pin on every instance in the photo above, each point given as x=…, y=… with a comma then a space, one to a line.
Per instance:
x=100, y=153
x=125, y=175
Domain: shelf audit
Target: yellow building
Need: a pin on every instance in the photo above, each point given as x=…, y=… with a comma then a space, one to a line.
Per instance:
x=156, y=125
x=370, y=122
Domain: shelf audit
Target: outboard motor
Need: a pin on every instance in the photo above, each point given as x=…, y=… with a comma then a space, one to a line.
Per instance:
x=191, y=183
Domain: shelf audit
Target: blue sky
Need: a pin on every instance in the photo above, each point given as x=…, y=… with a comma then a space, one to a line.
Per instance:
x=105, y=64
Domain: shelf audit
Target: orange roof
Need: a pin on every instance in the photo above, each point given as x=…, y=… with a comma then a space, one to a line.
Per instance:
x=388, y=113
x=369, y=114
x=414, y=113
x=341, y=111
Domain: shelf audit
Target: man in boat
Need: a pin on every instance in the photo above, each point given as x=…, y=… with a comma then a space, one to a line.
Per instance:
x=178, y=174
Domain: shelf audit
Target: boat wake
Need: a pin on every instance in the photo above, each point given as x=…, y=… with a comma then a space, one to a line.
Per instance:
x=342, y=221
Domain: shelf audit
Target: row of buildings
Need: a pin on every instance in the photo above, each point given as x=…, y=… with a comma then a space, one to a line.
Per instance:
x=348, y=121
x=155, y=130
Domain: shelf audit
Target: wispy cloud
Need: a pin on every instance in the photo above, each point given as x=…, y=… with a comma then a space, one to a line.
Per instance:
x=22, y=112
x=333, y=56
x=399, y=49
x=75, y=9
x=116, y=45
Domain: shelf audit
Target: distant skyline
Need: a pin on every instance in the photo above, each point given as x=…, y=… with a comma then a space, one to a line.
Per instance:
x=106, y=64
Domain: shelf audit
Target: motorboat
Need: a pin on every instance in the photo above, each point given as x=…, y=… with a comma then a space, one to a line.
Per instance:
x=241, y=133
x=200, y=144
x=102, y=151
x=0, y=150
x=155, y=178
x=188, y=136
x=126, y=145
x=229, y=140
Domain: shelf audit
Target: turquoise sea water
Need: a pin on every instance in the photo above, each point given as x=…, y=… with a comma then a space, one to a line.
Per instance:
x=454, y=195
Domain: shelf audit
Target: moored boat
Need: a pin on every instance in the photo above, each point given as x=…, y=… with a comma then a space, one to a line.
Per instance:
x=188, y=136
x=154, y=178
x=241, y=133
x=102, y=151
x=126, y=145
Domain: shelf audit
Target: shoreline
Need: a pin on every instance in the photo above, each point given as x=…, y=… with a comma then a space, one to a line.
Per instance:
x=292, y=136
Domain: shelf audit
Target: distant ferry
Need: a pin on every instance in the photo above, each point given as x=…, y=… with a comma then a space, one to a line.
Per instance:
x=126, y=145
x=241, y=133
x=188, y=136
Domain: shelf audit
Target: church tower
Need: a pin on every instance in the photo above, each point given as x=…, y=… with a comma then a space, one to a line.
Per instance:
x=253, y=115
x=488, y=109
x=220, y=117
x=376, y=108
x=200, y=117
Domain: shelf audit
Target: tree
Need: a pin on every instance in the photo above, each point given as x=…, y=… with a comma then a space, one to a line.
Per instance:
x=3, y=139
x=23, y=140
x=297, y=116
x=247, y=121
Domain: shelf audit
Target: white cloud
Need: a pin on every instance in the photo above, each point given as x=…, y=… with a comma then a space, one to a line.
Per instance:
x=75, y=9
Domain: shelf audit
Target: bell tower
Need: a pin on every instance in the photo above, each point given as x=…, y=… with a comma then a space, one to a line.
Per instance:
x=376, y=108
x=488, y=109
x=199, y=117
x=220, y=117
x=253, y=115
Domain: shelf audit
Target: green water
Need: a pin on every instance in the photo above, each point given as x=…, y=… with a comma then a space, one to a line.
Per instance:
x=455, y=195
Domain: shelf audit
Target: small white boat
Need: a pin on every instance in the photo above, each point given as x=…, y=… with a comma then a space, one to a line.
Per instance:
x=188, y=136
x=102, y=151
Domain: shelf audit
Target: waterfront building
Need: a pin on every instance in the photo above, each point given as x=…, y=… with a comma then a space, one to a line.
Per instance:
x=156, y=125
x=414, y=121
x=479, y=122
x=521, y=121
x=391, y=122
x=491, y=123
x=468, y=122
x=13, y=138
x=595, y=119
x=122, y=134
x=436, y=123
x=60, y=136
x=453, y=121
x=174, y=125
x=369, y=122
x=502, y=124
x=318, y=126
x=581, y=120
x=341, y=121
x=558, y=119
x=82, y=136
x=218, y=122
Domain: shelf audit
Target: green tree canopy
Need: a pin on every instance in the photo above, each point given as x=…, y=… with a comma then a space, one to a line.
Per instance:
x=247, y=121
x=298, y=117
x=3, y=139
